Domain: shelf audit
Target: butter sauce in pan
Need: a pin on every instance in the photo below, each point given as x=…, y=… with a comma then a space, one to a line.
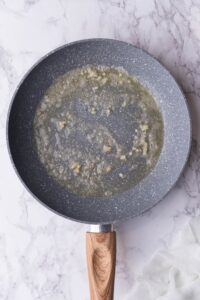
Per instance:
x=98, y=131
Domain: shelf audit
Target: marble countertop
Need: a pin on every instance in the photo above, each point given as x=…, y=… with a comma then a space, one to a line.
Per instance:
x=42, y=255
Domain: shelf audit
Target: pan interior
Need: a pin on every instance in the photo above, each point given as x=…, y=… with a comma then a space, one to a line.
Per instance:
x=98, y=131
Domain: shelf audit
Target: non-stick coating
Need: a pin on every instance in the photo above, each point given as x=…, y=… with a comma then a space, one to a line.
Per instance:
x=177, y=131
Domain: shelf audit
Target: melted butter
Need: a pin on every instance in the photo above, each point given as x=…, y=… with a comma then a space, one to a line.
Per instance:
x=98, y=131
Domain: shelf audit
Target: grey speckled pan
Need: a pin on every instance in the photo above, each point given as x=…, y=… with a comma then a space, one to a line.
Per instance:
x=177, y=136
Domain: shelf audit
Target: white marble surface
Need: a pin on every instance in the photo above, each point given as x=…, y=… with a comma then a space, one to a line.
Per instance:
x=42, y=256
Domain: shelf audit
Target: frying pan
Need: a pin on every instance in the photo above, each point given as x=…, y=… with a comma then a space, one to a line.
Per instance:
x=99, y=211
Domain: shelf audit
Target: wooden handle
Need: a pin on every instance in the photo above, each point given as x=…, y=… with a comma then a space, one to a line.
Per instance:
x=101, y=258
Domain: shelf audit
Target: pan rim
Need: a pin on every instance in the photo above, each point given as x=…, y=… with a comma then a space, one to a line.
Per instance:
x=26, y=75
